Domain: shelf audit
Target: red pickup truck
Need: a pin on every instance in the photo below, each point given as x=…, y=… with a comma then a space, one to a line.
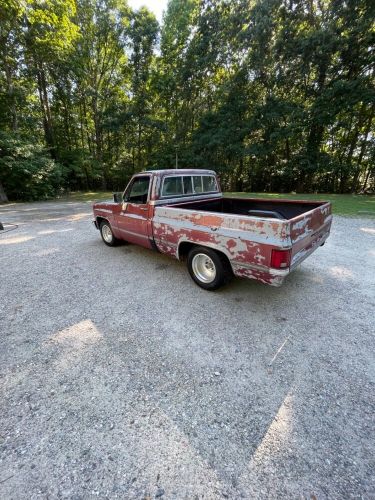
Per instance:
x=183, y=213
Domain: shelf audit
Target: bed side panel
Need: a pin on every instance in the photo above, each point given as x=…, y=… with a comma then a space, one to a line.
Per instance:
x=243, y=239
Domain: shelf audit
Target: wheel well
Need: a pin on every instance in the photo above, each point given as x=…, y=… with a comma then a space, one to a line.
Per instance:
x=185, y=247
x=99, y=220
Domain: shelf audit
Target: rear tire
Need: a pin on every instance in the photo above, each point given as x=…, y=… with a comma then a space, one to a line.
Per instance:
x=209, y=269
x=107, y=234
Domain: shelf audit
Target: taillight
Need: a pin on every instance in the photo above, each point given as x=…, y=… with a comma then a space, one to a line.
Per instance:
x=280, y=259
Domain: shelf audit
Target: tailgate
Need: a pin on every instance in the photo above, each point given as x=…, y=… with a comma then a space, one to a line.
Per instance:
x=308, y=231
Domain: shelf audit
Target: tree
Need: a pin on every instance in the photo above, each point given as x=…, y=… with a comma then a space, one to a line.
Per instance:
x=48, y=39
x=273, y=94
x=143, y=32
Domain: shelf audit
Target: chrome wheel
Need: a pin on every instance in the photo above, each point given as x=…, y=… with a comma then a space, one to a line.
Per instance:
x=204, y=268
x=107, y=233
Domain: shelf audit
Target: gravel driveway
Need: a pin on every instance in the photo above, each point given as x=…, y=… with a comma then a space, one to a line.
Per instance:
x=120, y=378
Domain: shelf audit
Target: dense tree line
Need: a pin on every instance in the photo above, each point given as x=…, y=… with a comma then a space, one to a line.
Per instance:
x=273, y=94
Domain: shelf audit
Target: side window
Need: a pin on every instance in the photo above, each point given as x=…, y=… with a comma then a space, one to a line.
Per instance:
x=188, y=187
x=172, y=186
x=197, y=183
x=138, y=190
x=209, y=183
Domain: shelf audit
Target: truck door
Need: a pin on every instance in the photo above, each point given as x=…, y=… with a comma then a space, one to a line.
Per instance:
x=132, y=220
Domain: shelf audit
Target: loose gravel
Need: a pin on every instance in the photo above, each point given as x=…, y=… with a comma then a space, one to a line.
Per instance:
x=120, y=378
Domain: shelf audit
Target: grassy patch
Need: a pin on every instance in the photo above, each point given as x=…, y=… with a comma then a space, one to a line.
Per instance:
x=342, y=204
x=90, y=196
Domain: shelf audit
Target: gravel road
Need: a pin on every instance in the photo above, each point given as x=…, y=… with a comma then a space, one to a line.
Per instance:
x=120, y=378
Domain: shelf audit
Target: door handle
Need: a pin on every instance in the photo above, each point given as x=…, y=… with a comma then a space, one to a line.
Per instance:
x=143, y=208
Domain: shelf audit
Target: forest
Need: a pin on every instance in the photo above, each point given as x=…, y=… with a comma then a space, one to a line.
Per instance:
x=275, y=95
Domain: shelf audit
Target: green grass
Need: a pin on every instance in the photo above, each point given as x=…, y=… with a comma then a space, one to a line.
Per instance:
x=89, y=196
x=343, y=204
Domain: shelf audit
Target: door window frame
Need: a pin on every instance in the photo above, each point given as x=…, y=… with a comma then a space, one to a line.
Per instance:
x=129, y=188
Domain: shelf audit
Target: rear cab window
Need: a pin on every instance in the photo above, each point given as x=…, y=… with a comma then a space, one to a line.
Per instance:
x=172, y=186
x=188, y=185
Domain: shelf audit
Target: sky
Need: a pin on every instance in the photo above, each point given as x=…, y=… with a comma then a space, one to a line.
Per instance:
x=156, y=6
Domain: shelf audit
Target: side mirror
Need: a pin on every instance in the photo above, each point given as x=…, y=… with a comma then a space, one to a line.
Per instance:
x=117, y=197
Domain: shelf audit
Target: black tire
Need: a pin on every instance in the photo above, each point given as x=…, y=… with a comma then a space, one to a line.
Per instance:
x=105, y=231
x=221, y=275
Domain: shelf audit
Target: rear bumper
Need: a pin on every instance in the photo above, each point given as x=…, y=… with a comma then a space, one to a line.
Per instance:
x=269, y=276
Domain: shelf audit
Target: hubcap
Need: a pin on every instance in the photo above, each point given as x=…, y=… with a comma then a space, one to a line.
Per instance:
x=107, y=234
x=204, y=268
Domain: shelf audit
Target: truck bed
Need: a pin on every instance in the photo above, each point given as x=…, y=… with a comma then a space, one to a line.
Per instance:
x=277, y=209
x=246, y=230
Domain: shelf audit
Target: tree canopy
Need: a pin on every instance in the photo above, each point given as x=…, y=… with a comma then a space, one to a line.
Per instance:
x=275, y=95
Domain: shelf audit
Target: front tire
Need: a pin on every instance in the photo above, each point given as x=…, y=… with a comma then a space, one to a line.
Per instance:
x=209, y=269
x=107, y=234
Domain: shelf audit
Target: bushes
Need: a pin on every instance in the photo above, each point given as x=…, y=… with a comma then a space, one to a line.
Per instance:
x=27, y=171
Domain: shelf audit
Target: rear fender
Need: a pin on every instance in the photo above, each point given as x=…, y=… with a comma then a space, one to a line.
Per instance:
x=212, y=245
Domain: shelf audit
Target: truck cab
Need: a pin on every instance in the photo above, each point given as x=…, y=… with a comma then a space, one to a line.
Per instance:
x=132, y=210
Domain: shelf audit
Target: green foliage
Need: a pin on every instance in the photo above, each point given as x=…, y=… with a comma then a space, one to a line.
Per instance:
x=51, y=29
x=276, y=95
x=27, y=170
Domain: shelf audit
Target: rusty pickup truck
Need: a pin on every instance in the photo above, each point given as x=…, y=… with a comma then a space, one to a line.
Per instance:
x=184, y=214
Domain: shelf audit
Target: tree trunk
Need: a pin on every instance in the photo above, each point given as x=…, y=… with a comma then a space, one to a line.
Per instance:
x=366, y=179
x=11, y=94
x=362, y=151
x=88, y=133
x=3, y=196
x=239, y=179
x=139, y=139
x=44, y=104
x=287, y=151
x=316, y=132
x=99, y=140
